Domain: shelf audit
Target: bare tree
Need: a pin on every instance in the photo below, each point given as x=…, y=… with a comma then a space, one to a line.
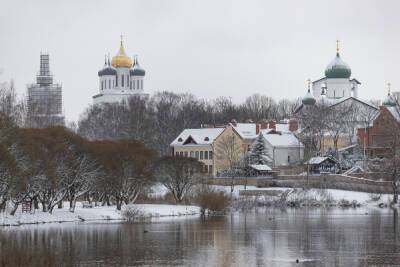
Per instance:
x=178, y=175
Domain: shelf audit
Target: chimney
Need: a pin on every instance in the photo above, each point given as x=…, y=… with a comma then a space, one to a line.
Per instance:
x=264, y=124
x=234, y=122
x=293, y=125
x=272, y=124
x=258, y=126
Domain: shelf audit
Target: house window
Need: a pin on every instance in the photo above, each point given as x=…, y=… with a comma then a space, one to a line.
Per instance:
x=210, y=168
x=210, y=154
x=177, y=153
x=181, y=154
x=186, y=154
x=191, y=154
x=201, y=154
x=197, y=154
x=205, y=154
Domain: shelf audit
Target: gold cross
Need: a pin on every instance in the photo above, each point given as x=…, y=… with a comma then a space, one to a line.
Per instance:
x=337, y=46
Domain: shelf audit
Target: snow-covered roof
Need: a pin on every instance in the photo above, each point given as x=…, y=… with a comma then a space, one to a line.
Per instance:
x=282, y=127
x=246, y=130
x=281, y=139
x=318, y=160
x=261, y=167
x=201, y=136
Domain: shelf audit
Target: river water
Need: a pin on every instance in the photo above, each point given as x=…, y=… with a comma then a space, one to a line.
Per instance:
x=261, y=237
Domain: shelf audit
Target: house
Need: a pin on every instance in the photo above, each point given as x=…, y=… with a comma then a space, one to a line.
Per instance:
x=218, y=147
x=284, y=148
x=376, y=140
x=322, y=164
x=210, y=146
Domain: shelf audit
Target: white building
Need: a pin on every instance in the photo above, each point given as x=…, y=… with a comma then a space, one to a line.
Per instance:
x=120, y=79
x=283, y=147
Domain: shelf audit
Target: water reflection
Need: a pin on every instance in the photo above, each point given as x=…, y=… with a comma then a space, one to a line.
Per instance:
x=262, y=237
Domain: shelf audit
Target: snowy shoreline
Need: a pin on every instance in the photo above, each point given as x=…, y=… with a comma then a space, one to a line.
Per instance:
x=147, y=211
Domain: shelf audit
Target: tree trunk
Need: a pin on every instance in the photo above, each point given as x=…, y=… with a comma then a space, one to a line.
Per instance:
x=44, y=206
x=395, y=193
x=60, y=205
x=3, y=205
x=35, y=203
x=72, y=205
x=14, y=209
x=119, y=203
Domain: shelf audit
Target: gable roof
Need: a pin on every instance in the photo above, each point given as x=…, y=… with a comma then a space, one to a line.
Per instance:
x=281, y=139
x=395, y=112
x=246, y=130
x=202, y=136
x=319, y=160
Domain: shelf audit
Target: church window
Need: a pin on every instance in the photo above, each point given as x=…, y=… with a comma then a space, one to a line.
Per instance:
x=109, y=84
x=130, y=85
x=101, y=85
x=141, y=84
x=116, y=81
x=127, y=80
x=133, y=84
x=122, y=80
x=288, y=159
x=137, y=84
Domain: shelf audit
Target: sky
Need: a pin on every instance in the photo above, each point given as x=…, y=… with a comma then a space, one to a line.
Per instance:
x=208, y=48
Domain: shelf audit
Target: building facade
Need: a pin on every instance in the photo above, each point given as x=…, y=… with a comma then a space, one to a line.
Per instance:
x=120, y=79
x=44, y=101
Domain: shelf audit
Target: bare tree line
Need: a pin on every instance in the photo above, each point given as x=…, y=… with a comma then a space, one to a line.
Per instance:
x=158, y=120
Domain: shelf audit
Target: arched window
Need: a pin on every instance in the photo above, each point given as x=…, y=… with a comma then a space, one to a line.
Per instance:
x=127, y=80
x=116, y=81
x=122, y=80
x=109, y=84
x=137, y=84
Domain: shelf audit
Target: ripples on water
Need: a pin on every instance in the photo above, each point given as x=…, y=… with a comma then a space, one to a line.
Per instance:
x=261, y=237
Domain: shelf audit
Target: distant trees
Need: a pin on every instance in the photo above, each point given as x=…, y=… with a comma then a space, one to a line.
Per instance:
x=178, y=174
x=158, y=120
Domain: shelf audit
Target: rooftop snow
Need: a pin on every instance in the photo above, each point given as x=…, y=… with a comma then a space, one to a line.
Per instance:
x=246, y=130
x=198, y=135
x=281, y=139
x=261, y=167
x=395, y=112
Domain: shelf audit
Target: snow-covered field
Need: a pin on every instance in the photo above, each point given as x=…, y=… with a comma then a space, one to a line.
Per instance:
x=333, y=194
x=95, y=214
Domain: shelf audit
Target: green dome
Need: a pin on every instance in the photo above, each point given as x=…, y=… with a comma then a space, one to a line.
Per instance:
x=389, y=102
x=308, y=99
x=337, y=69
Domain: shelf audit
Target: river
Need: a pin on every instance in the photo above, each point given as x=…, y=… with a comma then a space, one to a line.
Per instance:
x=260, y=237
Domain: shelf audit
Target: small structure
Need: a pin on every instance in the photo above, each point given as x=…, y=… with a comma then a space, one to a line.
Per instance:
x=322, y=164
x=26, y=206
x=260, y=170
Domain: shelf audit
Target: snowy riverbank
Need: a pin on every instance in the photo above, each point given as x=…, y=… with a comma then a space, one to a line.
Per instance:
x=95, y=214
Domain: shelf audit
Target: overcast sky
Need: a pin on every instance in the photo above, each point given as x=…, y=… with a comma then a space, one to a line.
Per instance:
x=209, y=48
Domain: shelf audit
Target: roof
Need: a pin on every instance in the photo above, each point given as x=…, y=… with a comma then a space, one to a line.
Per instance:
x=202, y=136
x=261, y=167
x=318, y=160
x=246, y=130
x=281, y=139
x=395, y=112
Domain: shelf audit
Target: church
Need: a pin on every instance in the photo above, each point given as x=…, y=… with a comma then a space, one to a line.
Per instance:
x=334, y=102
x=120, y=79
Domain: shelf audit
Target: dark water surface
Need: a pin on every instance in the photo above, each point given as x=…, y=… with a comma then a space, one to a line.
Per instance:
x=262, y=237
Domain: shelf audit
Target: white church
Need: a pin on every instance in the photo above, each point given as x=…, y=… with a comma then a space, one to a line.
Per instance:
x=336, y=88
x=120, y=79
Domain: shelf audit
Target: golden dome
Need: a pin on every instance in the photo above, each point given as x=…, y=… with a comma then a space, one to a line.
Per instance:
x=121, y=60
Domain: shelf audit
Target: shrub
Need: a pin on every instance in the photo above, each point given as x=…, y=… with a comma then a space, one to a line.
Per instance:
x=211, y=199
x=130, y=212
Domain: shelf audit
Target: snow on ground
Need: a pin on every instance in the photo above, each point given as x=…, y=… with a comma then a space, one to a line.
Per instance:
x=95, y=214
x=334, y=194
